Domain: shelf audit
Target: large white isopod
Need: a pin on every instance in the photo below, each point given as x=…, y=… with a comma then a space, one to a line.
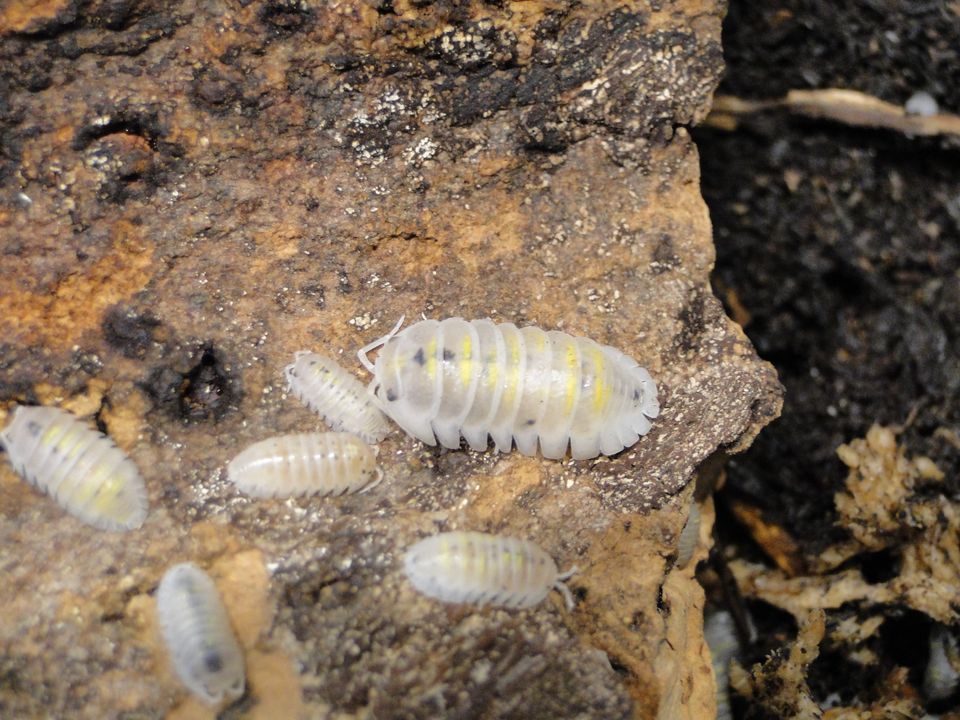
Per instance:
x=305, y=464
x=336, y=395
x=197, y=632
x=79, y=467
x=481, y=569
x=439, y=380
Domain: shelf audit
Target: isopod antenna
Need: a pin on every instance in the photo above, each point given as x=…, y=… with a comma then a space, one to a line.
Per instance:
x=362, y=352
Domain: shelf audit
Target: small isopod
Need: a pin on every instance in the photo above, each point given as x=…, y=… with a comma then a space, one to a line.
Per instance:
x=439, y=380
x=196, y=630
x=336, y=395
x=305, y=464
x=942, y=674
x=720, y=633
x=689, y=536
x=81, y=468
x=473, y=567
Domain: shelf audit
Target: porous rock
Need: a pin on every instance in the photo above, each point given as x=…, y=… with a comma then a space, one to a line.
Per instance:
x=193, y=191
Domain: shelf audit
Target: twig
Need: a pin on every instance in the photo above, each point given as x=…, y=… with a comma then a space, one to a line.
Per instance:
x=848, y=107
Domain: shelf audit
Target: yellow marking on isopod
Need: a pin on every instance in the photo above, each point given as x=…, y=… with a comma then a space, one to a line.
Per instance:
x=573, y=377
x=54, y=434
x=466, y=360
x=74, y=448
x=94, y=482
x=430, y=367
x=513, y=371
x=108, y=495
x=601, y=390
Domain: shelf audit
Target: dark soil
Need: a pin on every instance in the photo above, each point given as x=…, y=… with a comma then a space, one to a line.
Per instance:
x=887, y=49
x=842, y=244
x=839, y=250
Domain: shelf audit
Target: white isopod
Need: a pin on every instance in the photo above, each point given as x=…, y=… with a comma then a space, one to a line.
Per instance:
x=689, y=536
x=473, y=567
x=336, y=395
x=942, y=674
x=196, y=630
x=720, y=633
x=444, y=379
x=81, y=468
x=305, y=464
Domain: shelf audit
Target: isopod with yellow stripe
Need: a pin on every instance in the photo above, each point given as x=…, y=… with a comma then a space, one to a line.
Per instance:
x=79, y=467
x=483, y=569
x=439, y=380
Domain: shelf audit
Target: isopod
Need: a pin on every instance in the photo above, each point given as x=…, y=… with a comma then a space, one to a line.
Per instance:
x=305, y=464
x=336, y=395
x=439, y=380
x=942, y=674
x=79, y=467
x=196, y=630
x=720, y=634
x=689, y=536
x=477, y=568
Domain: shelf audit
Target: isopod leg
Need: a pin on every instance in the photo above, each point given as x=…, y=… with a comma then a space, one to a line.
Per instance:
x=288, y=374
x=376, y=482
x=558, y=583
x=362, y=352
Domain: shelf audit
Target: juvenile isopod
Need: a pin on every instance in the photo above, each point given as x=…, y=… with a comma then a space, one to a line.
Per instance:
x=720, y=634
x=481, y=569
x=305, y=464
x=196, y=630
x=79, y=467
x=336, y=395
x=689, y=536
x=439, y=380
x=942, y=674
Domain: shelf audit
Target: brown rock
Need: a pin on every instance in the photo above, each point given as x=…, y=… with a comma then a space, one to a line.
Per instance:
x=223, y=184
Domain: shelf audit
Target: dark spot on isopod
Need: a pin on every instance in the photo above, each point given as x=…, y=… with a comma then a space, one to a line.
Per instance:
x=419, y=358
x=636, y=395
x=391, y=395
x=213, y=662
x=529, y=422
x=33, y=428
x=448, y=355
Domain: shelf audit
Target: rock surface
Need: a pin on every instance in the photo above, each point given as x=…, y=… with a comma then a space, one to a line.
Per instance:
x=192, y=193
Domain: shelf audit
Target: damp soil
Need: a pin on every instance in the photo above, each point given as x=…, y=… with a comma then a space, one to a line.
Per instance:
x=838, y=248
x=889, y=50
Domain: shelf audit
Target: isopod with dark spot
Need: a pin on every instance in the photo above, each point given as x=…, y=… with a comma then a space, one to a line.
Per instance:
x=194, y=624
x=439, y=380
x=79, y=467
